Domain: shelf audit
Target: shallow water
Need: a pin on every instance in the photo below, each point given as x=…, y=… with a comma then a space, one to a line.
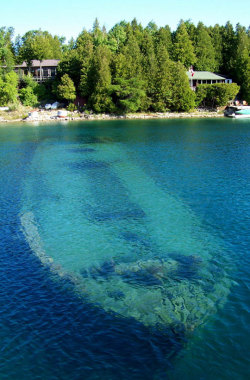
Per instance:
x=124, y=250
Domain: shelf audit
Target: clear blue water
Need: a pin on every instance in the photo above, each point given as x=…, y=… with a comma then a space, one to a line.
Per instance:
x=124, y=250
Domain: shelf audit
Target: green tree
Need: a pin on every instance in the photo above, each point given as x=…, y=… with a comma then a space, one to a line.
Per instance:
x=117, y=37
x=216, y=37
x=70, y=64
x=242, y=61
x=162, y=95
x=6, y=48
x=99, y=36
x=28, y=90
x=191, y=29
x=183, y=98
x=128, y=94
x=133, y=58
x=149, y=64
x=204, y=49
x=152, y=28
x=85, y=50
x=100, y=79
x=28, y=97
x=216, y=95
x=183, y=50
x=8, y=88
x=66, y=89
x=164, y=37
x=38, y=44
x=228, y=48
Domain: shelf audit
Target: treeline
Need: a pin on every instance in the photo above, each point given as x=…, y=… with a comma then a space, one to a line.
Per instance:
x=131, y=68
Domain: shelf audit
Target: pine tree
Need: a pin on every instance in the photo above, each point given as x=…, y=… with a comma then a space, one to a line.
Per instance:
x=149, y=64
x=128, y=94
x=99, y=36
x=242, y=62
x=228, y=48
x=183, y=98
x=8, y=88
x=133, y=57
x=161, y=98
x=66, y=89
x=204, y=49
x=85, y=50
x=164, y=37
x=100, y=79
x=117, y=37
x=6, y=48
x=216, y=37
x=183, y=50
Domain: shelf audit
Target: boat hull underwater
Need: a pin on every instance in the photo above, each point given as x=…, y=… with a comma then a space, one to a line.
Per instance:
x=128, y=246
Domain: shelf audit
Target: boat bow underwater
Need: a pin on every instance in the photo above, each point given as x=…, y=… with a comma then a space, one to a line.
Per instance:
x=126, y=244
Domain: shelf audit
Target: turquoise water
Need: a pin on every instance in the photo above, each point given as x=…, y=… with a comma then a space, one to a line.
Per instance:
x=125, y=250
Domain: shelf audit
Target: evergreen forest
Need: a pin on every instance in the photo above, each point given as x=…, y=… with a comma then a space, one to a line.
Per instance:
x=129, y=68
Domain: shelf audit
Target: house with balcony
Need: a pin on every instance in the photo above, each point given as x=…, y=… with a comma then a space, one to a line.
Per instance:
x=40, y=70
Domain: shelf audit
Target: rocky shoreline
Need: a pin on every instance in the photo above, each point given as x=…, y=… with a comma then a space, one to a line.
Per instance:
x=47, y=116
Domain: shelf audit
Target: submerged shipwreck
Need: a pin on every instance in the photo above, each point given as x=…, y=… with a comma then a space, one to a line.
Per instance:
x=127, y=246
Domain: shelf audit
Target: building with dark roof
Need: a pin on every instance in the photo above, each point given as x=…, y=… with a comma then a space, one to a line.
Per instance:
x=40, y=70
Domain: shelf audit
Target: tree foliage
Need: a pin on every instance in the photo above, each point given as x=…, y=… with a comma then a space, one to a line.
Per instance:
x=38, y=44
x=128, y=95
x=6, y=48
x=130, y=67
x=216, y=95
x=8, y=88
x=204, y=49
x=66, y=89
x=28, y=97
x=183, y=47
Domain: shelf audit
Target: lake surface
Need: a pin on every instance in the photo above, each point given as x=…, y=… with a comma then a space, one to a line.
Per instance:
x=124, y=250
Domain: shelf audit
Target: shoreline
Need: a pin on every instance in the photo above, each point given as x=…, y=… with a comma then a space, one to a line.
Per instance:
x=50, y=116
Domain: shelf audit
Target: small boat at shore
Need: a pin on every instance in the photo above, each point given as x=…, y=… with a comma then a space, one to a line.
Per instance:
x=239, y=112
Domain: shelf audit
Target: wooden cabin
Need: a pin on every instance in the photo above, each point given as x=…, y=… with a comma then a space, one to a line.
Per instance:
x=205, y=77
x=40, y=70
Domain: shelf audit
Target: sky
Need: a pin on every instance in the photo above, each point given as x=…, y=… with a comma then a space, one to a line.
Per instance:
x=68, y=18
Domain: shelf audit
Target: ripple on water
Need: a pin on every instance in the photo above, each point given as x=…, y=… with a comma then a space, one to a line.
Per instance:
x=51, y=330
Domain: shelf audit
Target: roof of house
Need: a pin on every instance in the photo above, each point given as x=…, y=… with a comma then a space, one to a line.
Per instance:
x=43, y=63
x=204, y=75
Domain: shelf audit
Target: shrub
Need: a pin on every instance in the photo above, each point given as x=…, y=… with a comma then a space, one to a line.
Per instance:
x=71, y=107
x=216, y=95
x=8, y=88
x=66, y=89
x=27, y=97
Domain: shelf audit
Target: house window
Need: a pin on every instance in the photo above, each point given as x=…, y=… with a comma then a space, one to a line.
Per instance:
x=53, y=71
